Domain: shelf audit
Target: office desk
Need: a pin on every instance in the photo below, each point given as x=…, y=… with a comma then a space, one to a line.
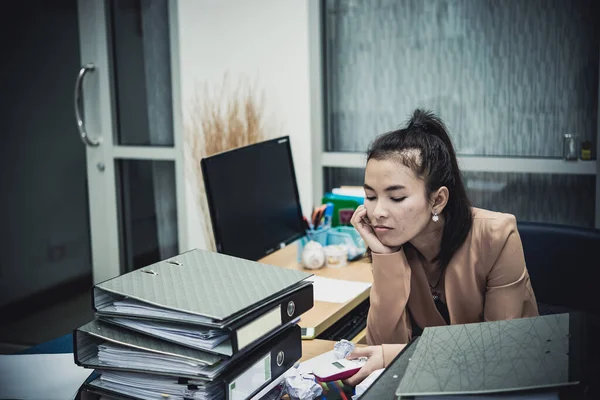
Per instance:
x=325, y=314
x=314, y=348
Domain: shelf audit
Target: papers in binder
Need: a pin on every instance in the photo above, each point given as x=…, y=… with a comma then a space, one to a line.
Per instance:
x=193, y=336
x=111, y=355
x=140, y=309
x=148, y=386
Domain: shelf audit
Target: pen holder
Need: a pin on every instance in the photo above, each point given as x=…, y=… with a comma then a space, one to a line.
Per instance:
x=319, y=236
x=340, y=235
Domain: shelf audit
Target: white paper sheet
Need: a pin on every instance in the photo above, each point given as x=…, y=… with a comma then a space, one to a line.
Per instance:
x=40, y=376
x=139, y=308
x=336, y=290
x=367, y=382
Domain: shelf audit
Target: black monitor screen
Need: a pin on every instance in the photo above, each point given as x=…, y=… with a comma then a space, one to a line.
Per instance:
x=253, y=199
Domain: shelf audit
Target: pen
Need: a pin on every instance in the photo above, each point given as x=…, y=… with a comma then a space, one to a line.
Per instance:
x=318, y=215
x=328, y=215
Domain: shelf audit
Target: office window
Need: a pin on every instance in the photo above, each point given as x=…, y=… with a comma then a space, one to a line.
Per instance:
x=560, y=199
x=509, y=78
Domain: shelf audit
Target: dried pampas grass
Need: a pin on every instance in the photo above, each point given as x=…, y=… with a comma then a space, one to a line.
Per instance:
x=218, y=121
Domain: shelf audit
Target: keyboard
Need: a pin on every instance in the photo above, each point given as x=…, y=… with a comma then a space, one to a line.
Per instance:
x=349, y=325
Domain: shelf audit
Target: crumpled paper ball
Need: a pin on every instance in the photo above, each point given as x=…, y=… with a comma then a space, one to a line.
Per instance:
x=343, y=348
x=301, y=386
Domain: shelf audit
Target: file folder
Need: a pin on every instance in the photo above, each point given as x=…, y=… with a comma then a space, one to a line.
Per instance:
x=199, y=286
x=101, y=345
x=525, y=354
x=241, y=333
x=89, y=339
x=246, y=377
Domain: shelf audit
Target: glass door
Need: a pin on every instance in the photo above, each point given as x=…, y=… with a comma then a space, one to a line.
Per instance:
x=124, y=109
x=90, y=161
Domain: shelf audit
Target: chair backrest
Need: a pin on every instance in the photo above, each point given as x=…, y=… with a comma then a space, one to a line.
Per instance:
x=562, y=261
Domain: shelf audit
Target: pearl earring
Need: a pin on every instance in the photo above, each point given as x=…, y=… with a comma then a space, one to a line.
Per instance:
x=435, y=217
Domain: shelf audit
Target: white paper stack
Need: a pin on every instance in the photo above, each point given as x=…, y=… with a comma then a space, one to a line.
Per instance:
x=159, y=387
x=137, y=308
x=188, y=335
x=112, y=355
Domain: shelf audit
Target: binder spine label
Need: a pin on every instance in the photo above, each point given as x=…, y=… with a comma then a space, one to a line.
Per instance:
x=259, y=327
x=250, y=380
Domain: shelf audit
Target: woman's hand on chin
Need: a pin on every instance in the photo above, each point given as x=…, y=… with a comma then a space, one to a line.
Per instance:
x=361, y=223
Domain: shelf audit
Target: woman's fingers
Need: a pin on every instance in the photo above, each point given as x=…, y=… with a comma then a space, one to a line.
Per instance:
x=357, y=217
x=375, y=362
x=360, y=352
x=359, y=376
x=360, y=221
x=364, y=371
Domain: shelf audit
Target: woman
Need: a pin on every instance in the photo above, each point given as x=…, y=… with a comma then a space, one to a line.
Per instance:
x=435, y=259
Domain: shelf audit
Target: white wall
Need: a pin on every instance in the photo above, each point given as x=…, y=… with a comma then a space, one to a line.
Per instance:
x=265, y=41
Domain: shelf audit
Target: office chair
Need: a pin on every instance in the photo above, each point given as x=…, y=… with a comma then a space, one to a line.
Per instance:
x=562, y=261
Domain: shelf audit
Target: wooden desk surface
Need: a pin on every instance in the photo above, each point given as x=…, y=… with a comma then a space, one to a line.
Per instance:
x=324, y=314
x=313, y=348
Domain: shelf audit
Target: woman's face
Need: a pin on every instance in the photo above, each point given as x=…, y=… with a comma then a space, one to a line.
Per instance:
x=396, y=202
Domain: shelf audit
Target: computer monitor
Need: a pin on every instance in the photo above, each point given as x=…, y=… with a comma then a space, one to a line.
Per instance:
x=253, y=199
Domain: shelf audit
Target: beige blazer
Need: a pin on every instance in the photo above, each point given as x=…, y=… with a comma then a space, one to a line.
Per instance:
x=486, y=280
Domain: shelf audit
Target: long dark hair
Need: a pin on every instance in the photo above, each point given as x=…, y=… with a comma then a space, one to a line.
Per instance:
x=425, y=147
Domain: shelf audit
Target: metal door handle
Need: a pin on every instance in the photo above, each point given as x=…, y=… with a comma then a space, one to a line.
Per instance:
x=85, y=138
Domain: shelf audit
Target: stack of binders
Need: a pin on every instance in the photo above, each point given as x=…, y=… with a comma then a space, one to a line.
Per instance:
x=200, y=325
